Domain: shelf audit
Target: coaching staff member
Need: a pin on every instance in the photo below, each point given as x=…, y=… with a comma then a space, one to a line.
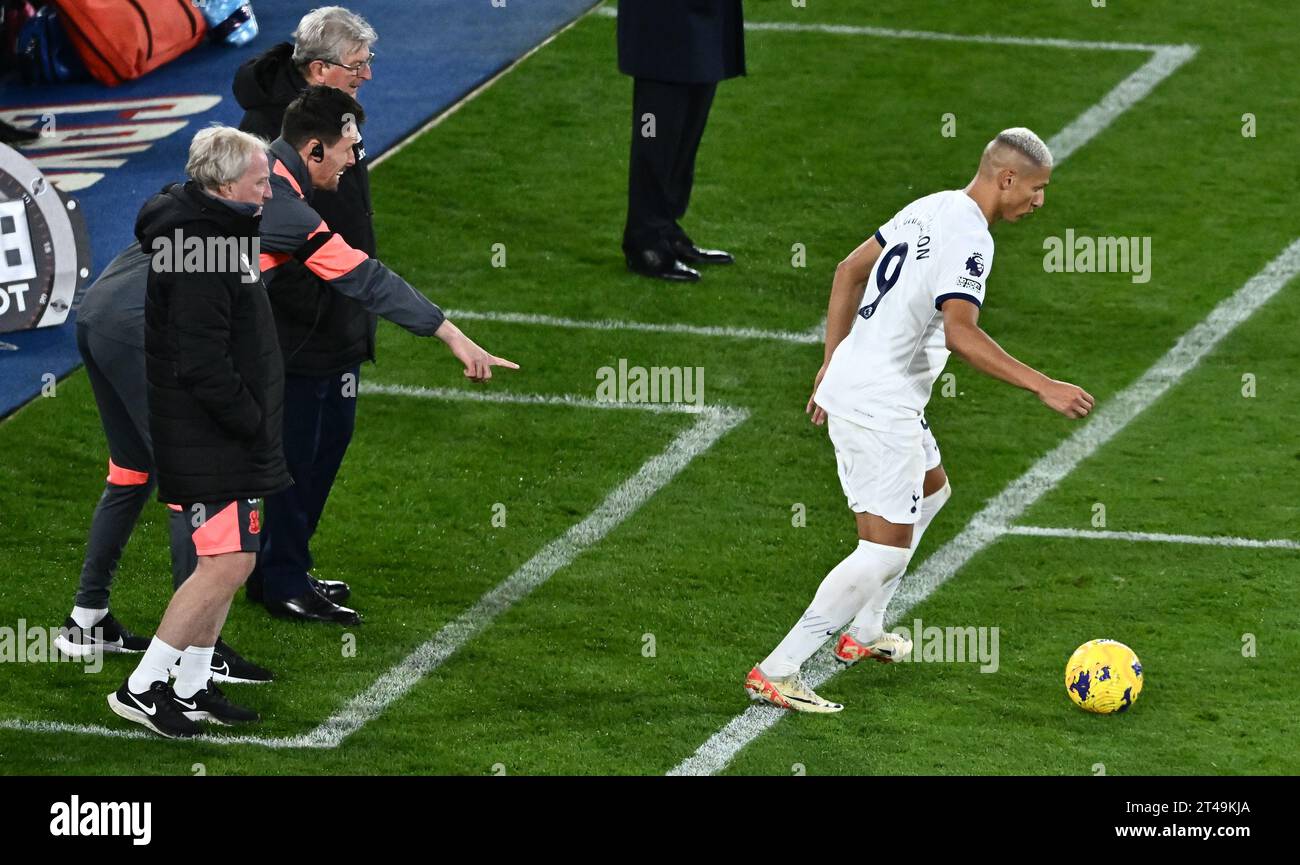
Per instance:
x=323, y=353
x=215, y=393
x=111, y=339
x=676, y=51
x=314, y=151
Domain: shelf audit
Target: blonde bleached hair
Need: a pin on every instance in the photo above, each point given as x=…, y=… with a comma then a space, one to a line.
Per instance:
x=1025, y=142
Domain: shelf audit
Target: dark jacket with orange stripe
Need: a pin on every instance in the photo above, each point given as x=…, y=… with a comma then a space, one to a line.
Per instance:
x=216, y=380
x=338, y=333
x=292, y=231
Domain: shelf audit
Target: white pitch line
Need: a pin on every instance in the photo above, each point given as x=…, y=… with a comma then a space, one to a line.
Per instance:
x=996, y=517
x=934, y=36
x=1165, y=60
x=807, y=337
x=1154, y=537
x=473, y=94
x=508, y=398
x=617, y=507
x=713, y=423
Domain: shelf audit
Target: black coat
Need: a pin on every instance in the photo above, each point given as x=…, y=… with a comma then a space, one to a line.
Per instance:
x=681, y=41
x=216, y=379
x=339, y=333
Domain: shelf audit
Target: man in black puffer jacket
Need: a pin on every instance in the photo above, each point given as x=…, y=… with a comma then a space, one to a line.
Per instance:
x=216, y=397
x=324, y=342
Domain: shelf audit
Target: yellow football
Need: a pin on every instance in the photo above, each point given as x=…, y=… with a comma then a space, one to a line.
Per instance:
x=1103, y=676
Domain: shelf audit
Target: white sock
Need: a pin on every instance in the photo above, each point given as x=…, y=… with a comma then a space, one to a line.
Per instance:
x=846, y=588
x=87, y=618
x=196, y=670
x=158, y=658
x=869, y=623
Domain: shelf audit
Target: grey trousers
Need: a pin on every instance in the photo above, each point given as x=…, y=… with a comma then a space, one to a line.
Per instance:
x=117, y=378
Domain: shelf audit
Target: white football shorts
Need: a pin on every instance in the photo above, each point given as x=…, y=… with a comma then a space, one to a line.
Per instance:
x=882, y=472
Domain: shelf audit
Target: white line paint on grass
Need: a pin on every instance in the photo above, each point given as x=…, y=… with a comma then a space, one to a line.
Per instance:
x=806, y=337
x=1133, y=89
x=617, y=507
x=711, y=424
x=1165, y=61
x=508, y=398
x=996, y=517
x=1154, y=537
x=469, y=97
x=934, y=36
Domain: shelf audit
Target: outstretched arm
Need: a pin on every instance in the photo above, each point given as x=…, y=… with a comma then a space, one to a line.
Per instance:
x=967, y=340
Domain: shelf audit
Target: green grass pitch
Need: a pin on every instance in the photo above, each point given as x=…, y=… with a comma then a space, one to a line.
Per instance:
x=827, y=137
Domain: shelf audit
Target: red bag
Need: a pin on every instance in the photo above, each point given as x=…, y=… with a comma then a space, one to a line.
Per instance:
x=120, y=40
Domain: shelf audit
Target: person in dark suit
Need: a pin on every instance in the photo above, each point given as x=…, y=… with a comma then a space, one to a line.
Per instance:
x=326, y=349
x=676, y=52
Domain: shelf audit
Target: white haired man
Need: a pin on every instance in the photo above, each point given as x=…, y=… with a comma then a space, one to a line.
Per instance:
x=924, y=271
x=216, y=393
x=111, y=341
x=324, y=346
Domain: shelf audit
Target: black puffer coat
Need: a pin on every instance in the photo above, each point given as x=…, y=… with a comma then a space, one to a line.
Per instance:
x=338, y=333
x=216, y=378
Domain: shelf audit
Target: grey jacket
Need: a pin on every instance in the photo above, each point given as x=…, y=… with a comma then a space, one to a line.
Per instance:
x=291, y=229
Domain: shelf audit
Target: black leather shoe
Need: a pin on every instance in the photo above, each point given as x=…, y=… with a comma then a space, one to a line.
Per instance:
x=650, y=263
x=335, y=590
x=313, y=607
x=692, y=254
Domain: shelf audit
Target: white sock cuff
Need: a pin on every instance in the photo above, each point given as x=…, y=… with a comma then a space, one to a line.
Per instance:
x=153, y=666
x=195, y=671
x=164, y=648
x=886, y=552
x=937, y=499
x=87, y=617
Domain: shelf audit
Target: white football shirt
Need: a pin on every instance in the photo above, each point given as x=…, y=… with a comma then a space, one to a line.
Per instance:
x=936, y=248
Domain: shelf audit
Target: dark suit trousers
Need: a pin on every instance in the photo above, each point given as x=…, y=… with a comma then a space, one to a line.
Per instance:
x=318, y=423
x=662, y=168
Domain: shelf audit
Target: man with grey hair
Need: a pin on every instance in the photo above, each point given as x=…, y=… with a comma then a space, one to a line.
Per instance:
x=216, y=393
x=928, y=267
x=323, y=348
x=111, y=341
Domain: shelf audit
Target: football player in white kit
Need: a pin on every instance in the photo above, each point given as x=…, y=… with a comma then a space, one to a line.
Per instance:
x=900, y=303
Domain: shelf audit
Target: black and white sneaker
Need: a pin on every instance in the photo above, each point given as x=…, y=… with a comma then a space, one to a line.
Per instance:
x=211, y=704
x=106, y=635
x=154, y=709
x=229, y=666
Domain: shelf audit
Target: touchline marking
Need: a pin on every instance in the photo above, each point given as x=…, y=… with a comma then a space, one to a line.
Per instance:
x=618, y=506
x=473, y=94
x=1165, y=61
x=995, y=518
x=1154, y=537
x=808, y=337
x=934, y=36
x=712, y=423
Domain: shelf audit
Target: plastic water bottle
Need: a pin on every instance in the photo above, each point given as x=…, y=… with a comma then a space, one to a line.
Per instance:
x=229, y=21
